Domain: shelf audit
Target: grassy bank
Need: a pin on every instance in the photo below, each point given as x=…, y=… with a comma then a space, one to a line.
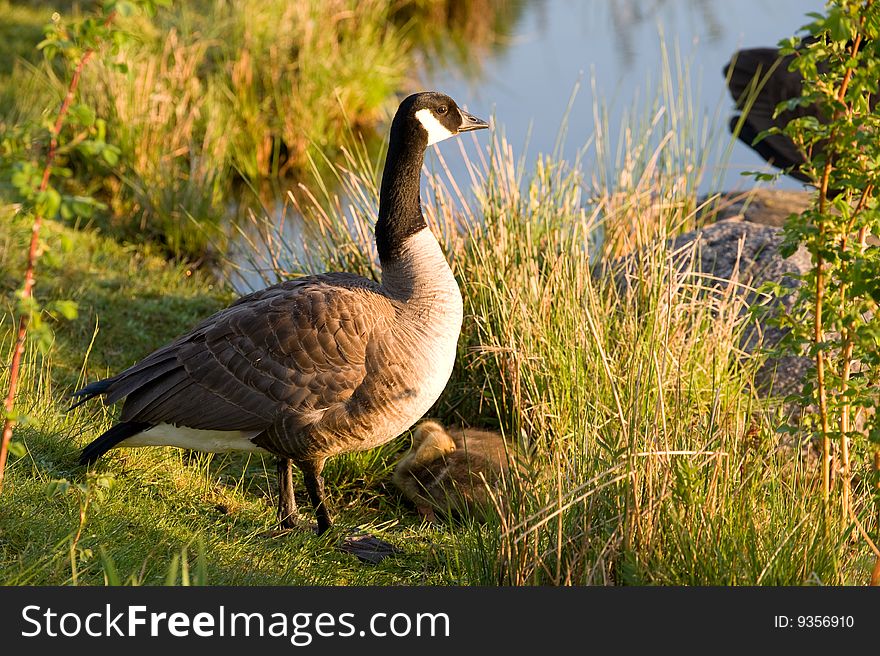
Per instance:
x=161, y=501
x=655, y=463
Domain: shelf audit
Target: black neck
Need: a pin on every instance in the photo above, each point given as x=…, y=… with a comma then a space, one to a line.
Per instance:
x=400, y=209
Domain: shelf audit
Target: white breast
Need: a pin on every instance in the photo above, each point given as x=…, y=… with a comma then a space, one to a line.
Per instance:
x=431, y=323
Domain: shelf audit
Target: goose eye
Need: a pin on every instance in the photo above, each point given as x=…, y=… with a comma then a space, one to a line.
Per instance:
x=442, y=109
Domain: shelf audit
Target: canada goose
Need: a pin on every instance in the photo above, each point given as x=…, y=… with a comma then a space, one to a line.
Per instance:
x=454, y=470
x=319, y=365
x=766, y=70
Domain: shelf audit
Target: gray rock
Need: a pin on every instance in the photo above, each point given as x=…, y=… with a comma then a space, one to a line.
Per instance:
x=770, y=207
x=746, y=254
x=740, y=252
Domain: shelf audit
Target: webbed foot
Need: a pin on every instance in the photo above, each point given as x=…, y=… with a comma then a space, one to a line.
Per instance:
x=368, y=548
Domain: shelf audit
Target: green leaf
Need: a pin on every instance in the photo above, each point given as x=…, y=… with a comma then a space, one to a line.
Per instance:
x=25, y=179
x=104, y=481
x=111, y=574
x=83, y=114
x=26, y=305
x=67, y=309
x=66, y=243
x=50, y=50
x=58, y=487
x=50, y=258
x=85, y=206
x=48, y=203
x=787, y=249
x=874, y=432
x=839, y=24
x=111, y=155
x=17, y=449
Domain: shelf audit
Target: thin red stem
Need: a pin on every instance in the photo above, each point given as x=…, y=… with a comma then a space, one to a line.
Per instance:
x=33, y=256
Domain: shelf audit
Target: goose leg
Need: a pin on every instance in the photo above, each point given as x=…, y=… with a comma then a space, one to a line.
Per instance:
x=315, y=487
x=287, y=514
x=367, y=548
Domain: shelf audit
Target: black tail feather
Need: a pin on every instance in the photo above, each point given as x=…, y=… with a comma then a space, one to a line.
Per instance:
x=110, y=438
x=90, y=391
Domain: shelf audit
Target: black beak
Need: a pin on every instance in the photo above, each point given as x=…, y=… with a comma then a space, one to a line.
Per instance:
x=470, y=122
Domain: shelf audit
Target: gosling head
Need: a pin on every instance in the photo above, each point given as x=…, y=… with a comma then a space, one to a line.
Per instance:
x=430, y=442
x=434, y=117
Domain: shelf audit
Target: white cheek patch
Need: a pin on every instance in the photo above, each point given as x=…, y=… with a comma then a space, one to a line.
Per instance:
x=435, y=129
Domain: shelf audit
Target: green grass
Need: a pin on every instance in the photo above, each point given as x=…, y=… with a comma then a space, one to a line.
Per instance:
x=656, y=465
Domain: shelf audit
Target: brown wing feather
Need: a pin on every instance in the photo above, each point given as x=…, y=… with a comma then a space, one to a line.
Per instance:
x=297, y=346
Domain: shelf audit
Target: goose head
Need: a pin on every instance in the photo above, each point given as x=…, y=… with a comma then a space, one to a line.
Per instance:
x=434, y=116
x=421, y=120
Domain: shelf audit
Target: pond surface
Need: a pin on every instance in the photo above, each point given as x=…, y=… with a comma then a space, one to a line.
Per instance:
x=528, y=80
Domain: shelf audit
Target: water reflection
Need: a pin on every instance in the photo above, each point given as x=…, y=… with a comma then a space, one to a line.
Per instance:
x=254, y=258
x=618, y=44
x=625, y=14
x=470, y=31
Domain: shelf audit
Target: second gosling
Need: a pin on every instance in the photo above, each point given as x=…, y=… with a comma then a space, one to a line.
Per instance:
x=455, y=470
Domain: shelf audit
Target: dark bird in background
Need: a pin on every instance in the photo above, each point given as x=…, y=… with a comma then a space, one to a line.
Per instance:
x=315, y=366
x=767, y=71
x=762, y=76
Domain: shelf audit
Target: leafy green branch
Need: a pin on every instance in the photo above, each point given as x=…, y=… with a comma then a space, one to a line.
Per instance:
x=839, y=137
x=34, y=157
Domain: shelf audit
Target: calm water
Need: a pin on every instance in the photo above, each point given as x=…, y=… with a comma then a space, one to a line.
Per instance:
x=528, y=80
